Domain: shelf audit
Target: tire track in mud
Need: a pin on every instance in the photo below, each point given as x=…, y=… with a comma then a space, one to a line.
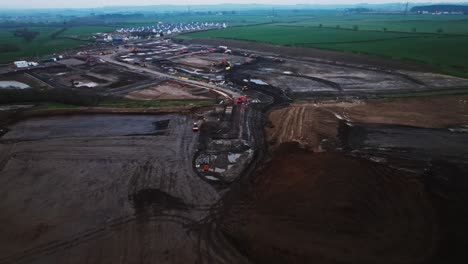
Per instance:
x=4, y=154
x=304, y=124
x=86, y=236
x=177, y=180
x=358, y=67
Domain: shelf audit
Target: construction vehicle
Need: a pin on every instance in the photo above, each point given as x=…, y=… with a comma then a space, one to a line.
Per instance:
x=242, y=99
x=195, y=127
x=133, y=49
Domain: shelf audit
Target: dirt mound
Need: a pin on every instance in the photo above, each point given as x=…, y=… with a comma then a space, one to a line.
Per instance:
x=302, y=123
x=309, y=207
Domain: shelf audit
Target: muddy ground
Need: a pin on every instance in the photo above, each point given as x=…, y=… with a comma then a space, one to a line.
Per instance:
x=308, y=208
x=96, y=77
x=337, y=181
x=171, y=90
x=302, y=78
x=106, y=189
x=309, y=123
x=353, y=166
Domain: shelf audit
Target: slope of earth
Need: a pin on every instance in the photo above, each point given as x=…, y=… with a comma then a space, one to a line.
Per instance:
x=307, y=207
x=422, y=138
x=426, y=112
x=302, y=123
x=310, y=123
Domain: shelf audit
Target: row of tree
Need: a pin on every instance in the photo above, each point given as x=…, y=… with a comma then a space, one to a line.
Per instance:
x=384, y=29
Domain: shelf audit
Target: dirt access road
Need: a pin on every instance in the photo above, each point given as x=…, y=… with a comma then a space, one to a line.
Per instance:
x=106, y=189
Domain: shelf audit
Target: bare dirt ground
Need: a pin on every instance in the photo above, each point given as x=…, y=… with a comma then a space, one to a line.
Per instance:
x=133, y=189
x=105, y=189
x=302, y=123
x=206, y=60
x=427, y=112
x=299, y=77
x=309, y=123
x=171, y=90
x=306, y=207
x=398, y=149
x=98, y=77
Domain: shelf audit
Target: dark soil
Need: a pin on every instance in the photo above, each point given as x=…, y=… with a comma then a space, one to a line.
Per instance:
x=303, y=208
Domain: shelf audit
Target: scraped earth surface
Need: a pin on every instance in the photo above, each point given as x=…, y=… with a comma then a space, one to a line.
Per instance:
x=105, y=189
x=316, y=124
x=170, y=91
x=360, y=184
x=353, y=166
x=306, y=207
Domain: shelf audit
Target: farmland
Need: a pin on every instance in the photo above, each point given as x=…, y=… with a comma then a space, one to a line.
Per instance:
x=44, y=43
x=437, y=41
x=57, y=37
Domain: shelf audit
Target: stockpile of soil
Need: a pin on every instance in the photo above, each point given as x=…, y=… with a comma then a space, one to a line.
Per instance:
x=306, y=124
x=307, y=207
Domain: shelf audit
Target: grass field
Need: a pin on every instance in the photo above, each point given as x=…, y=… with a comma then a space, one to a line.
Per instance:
x=446, y=50
x=43, y=44
x=47, y=42
x=440, y=41
x=86, y=31
x=400, y=23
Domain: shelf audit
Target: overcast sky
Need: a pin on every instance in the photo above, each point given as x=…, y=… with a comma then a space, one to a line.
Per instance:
x=100, y=3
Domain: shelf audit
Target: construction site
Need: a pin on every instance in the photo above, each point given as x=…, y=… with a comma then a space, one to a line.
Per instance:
x=296, y=159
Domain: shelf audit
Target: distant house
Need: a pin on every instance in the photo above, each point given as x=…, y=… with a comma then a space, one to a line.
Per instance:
x=25, y=64
x=21, y=64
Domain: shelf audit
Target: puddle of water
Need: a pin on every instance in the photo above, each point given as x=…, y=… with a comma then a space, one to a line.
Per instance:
x=211, y=178
x=219, y=170
x=13, y=85
x=258, y=81
x=232, y=157
x=162, y=124
x=338, y=116
x=88, y=84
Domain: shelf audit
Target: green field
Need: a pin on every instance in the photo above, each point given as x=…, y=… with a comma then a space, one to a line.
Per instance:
x=440, y=41
x=86, y=31
x=412, y=39
x=400, y=23
x=42, y=45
